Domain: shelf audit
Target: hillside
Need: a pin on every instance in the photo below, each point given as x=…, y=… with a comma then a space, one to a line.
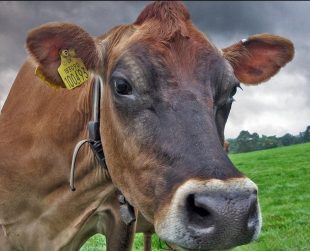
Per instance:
x=283, y=177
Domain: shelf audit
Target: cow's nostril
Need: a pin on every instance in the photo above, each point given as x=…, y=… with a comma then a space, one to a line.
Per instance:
x=197, y=209
x=198, y=215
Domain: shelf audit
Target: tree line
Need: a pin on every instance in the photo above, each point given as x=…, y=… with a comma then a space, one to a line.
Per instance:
x=247, y=142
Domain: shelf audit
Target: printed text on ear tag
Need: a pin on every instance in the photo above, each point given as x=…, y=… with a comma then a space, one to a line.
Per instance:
x=72, y=69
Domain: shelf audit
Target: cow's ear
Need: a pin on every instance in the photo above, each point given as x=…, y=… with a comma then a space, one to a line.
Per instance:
x=259, y=57
x=45, y=44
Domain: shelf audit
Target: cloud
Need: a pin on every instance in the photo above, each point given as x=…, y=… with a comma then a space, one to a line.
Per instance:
x=7, y=76
x=276, y=107
x=273, y=108
x=227, y=18
x=17, y=18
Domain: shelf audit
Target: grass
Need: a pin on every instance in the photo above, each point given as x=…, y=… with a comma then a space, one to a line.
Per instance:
x=283, y=177
x=97, y=243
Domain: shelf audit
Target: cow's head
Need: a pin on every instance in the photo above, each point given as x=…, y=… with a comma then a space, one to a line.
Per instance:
x=167, y=95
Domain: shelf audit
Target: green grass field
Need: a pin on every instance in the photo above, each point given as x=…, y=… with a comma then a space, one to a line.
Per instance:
x=283, y=177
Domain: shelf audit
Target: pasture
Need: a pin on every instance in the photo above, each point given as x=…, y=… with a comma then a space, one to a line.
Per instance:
x=283, y=177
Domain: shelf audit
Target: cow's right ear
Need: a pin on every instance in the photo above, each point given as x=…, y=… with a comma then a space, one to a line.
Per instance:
x=259, y=57
x=45, y=44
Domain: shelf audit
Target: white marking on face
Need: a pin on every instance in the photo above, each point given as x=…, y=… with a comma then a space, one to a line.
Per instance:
x=260, y=223
x=170, y=226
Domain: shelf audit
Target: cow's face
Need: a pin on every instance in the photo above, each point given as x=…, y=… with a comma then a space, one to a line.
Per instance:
x=164, y=111
x=167, y=95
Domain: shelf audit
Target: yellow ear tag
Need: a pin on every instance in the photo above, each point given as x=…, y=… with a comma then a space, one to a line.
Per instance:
x=72, y=69
x=41, y=76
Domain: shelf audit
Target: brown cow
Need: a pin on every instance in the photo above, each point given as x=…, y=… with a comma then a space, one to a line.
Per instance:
x=226, y=146
x=166, y=98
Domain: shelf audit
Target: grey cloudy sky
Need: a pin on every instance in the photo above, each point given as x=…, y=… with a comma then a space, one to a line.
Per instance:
x=278, y=106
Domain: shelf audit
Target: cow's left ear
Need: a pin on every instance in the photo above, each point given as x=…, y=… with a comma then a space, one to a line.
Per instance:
x=45, y=44
x=259, y=57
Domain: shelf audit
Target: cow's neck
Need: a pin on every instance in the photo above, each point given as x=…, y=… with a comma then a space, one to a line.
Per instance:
x=43, y=126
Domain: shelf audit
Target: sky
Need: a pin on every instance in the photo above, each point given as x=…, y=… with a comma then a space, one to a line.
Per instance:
x=276, y=107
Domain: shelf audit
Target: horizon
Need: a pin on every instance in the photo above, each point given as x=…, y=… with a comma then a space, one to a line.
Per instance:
x=261, y=135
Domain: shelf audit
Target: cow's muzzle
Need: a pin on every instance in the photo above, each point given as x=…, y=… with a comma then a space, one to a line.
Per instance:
x=213, y=214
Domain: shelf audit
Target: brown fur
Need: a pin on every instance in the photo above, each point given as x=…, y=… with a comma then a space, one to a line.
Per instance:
x=259, y=58
x=46, y=42
x=226, y=146
x=44, y=214
x=173, y=14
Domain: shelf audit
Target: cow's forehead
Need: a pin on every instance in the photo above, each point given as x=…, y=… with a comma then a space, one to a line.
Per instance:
x=179, y=43
x=183, y=57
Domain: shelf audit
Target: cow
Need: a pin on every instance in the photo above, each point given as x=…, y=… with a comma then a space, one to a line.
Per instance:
x=226, y=146
x=166, y=95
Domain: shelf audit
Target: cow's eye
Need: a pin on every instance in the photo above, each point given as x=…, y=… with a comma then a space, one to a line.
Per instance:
x=121, y=86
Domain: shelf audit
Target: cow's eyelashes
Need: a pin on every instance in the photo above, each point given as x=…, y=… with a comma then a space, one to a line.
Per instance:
x=230, y=100
x=233, y=92
x=122, y=86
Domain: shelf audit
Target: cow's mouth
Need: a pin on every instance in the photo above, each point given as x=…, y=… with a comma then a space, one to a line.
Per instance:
x=211, y=215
